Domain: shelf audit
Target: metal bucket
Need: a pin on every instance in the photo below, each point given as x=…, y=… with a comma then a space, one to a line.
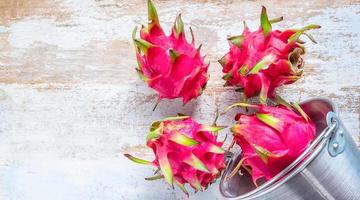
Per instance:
x=328, y=169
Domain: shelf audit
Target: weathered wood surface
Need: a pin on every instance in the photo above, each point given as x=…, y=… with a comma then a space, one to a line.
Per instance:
x=71, y=102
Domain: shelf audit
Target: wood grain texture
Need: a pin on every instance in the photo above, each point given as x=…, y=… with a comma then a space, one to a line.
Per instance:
x=71, y=102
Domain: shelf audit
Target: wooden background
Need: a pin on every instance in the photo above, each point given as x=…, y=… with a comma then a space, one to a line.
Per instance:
x=71, y=102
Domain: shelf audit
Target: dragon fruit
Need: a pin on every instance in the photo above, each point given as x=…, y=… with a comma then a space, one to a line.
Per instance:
x=271, y=138
x=258, y=62
x=185, y=152
x=169, y=64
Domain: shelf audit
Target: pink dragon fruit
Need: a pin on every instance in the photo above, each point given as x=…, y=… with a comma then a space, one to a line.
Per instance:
x=169, y=64
x=185, y=151
x=272, y=138
x=260, y=61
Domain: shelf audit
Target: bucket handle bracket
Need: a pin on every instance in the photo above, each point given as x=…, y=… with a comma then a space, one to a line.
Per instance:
x=336, y=137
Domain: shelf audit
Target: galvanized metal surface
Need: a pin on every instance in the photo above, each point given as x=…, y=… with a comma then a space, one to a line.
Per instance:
x=71, y=102
x=318, y=174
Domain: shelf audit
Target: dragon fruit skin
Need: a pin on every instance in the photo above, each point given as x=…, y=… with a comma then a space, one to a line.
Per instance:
x=169, y=64
x=272, y=138
x=263, y=60
x=185, y=151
